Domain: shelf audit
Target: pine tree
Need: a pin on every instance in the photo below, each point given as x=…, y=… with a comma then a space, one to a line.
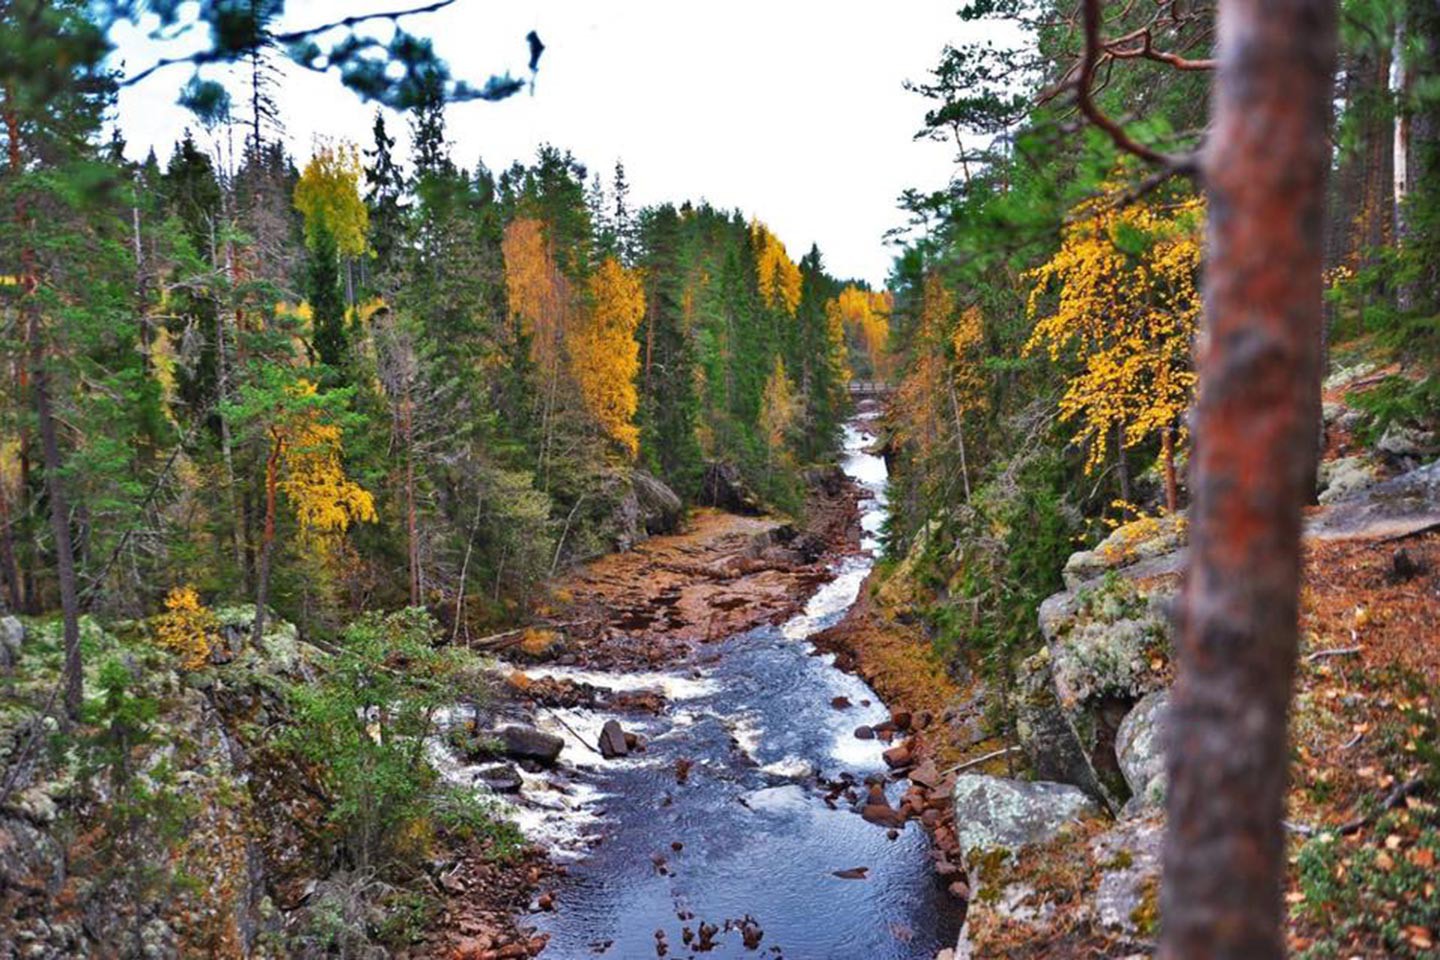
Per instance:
x=329, y=341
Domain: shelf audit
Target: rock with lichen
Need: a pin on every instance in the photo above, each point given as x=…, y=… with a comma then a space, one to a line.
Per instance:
x=1107, y=645
x=1140, y=748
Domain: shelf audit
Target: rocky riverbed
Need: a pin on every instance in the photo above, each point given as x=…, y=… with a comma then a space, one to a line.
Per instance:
x=704, y=779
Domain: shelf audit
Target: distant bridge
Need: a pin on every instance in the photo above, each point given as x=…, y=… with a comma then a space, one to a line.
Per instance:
x=870, y=389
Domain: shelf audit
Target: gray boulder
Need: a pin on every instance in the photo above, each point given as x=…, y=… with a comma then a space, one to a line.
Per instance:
x=1128, y=860
x=1106, y=646
x=1403, y=443
x=725, y=487
x=1140, y=748
x=1345, y=477
x=527, y=743
x=660, y=508
x=12, y=638
x=612, y=740
x=1053, y=746
x=995, y=815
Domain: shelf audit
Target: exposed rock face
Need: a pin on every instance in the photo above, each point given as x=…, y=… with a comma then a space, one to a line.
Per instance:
x=1106, y=646
x=527, y=743
x=1405, y=445
x=1345, y=477
x=1140, y=748
x=1395, y=507
x=1130, y=545
x=1052, y=745
x=1128, y=858
x=725, y=488
x=994, y=814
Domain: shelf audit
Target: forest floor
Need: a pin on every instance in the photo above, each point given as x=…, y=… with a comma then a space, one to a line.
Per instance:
x=651, y=607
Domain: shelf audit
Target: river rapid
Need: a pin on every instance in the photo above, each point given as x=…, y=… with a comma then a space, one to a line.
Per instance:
x=746, y=840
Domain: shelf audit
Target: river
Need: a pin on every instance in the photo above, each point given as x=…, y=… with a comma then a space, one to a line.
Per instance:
x=747, y=837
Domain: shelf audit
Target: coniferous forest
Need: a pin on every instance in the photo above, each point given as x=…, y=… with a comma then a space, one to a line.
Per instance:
x=404, y=557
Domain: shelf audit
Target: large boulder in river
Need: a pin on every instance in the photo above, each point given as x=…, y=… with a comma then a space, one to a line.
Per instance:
x=725, y=487
x=612, y=740
x=527, y=743
x=997, y=819
x=1140, y=748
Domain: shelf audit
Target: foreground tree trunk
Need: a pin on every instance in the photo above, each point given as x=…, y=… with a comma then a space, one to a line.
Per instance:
x=1253, y=464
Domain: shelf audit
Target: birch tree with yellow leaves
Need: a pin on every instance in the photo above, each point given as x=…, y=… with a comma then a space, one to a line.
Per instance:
x=1126, y=314
x=604, y=354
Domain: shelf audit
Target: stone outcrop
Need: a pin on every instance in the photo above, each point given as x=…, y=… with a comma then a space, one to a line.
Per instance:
x=1107, y=645
x=1140, y=748
x=1000, y=818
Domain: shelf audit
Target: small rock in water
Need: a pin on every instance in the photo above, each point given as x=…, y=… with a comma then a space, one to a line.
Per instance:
x=501, y=778
x=853, y=873
x=840, y=703
x=751, y=933
x=898, y=756
x=612, y=741
x=901, y=719
x=863, y=732
x=682, y=769
x=882, y=815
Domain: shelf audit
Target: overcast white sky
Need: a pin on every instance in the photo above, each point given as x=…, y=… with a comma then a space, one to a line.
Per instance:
x=791, y=110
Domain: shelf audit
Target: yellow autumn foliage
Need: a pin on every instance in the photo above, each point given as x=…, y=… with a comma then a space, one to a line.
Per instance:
x=780, y=408
x=536, y=290
x=867, y=313
x=185, y=628
x=776, y=273
x=328, y=192
x=1127, y=310
x=324, y=499
x=604, y=354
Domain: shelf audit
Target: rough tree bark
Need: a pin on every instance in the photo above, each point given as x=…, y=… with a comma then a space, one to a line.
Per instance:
x=1253, y=463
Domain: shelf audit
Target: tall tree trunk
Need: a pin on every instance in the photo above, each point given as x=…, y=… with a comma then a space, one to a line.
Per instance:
x=9, y=570
x=30, y=602
x=267, y=542
x=959, y=436
x=1172, y=484
x=49, y=438
x=54, y=492
x=412, y=533
x=222, y=389
x=1253, y=461
x=1122, y=462
x=1401, y=169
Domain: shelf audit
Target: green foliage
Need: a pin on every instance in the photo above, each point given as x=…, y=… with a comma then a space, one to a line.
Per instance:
x=364, y=727
x=1372, y=893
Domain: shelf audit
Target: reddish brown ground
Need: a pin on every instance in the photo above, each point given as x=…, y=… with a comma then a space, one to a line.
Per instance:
x=722, y=575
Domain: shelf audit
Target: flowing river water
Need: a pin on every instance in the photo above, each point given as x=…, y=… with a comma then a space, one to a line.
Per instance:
x=747, y=837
